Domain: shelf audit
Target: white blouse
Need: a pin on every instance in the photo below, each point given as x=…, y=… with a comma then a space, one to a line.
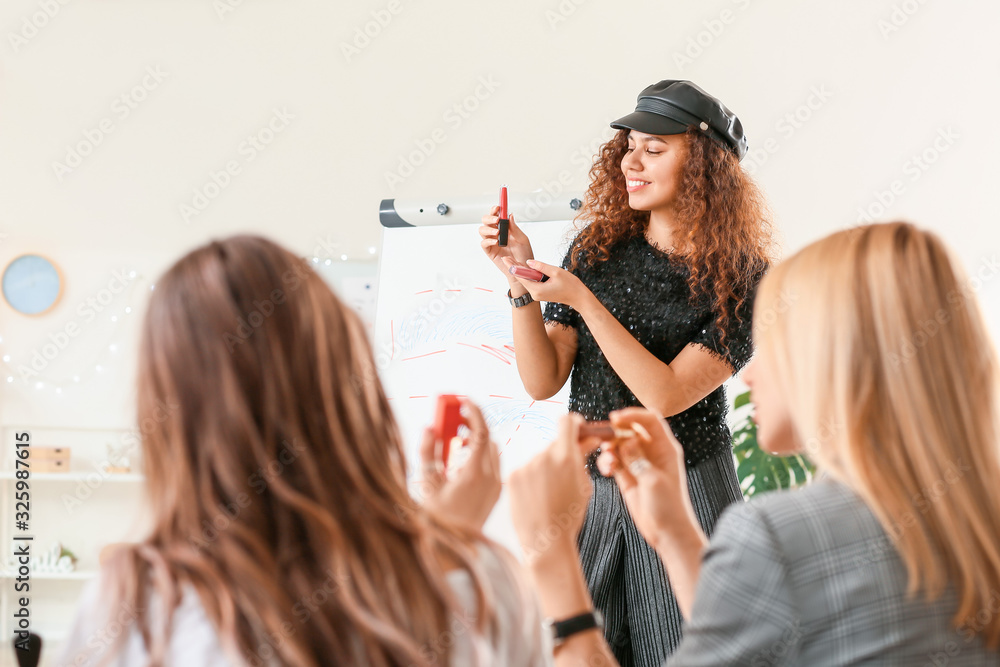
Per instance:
x=516, y=638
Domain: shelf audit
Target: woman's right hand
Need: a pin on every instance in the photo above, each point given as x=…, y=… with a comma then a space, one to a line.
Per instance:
x=518, y=246
x=468, y=494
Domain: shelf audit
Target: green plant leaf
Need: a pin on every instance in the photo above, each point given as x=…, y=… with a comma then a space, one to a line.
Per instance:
x=757, y=470
x=741, y=400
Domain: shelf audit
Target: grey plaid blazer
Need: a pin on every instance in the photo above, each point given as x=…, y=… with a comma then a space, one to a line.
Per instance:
x=809, y=577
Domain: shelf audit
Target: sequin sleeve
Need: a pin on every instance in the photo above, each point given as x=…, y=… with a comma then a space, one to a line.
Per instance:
x=737, y=347
x=558, y=312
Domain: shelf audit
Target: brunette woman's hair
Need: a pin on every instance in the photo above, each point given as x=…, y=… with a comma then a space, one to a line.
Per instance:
x=892, y=381
x=276, y=476
x=724, y=233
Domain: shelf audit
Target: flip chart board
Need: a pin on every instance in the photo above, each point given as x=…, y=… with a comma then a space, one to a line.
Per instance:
x=443, y=325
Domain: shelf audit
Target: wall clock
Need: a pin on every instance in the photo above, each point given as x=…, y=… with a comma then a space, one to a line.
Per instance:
x=31, y=284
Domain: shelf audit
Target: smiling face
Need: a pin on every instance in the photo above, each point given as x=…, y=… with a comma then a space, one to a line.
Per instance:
x=652, y=168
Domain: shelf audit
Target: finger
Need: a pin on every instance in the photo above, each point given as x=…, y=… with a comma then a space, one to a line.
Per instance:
x=491, y=460
x=473, y=418
x=486, y=231
x=547, y=269
x=651, y=429
x=567, y=446
x=589, y=443
x=485, y=453
x=430, y=457
x=428, y=447
x=513, y=225
x=625, y=479
x=486, y=244
x=526, y=284
x=607, y=464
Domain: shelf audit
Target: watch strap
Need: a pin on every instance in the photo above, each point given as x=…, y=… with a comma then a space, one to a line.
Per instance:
x=522, y=300
x=566, y=628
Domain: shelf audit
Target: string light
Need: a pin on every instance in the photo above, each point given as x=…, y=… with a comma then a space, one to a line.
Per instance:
x=100, y=365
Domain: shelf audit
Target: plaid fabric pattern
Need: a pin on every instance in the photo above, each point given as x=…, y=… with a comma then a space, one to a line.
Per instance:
x=809, y=577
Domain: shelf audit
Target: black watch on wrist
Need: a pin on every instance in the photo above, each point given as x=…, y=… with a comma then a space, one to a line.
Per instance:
x=522, y=300
x=566, y=628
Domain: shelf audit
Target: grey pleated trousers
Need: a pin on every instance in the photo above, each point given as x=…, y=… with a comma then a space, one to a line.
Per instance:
x=642, y=622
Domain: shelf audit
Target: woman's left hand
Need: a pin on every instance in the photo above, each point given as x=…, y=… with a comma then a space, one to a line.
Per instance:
x=562, y=286
x=468, y=494
x=652, y=477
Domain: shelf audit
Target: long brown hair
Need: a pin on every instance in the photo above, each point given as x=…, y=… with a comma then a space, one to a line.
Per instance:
x=277, y=479
x=724, y=233
x=893, y=386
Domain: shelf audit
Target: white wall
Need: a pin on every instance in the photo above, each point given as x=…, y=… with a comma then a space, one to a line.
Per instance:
x=556, y=73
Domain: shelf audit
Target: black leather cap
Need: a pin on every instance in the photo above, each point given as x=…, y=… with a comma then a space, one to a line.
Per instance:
x=670, y=106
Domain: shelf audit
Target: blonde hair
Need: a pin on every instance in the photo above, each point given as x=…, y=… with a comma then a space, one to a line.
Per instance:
x=277, y=476
x=891, y=378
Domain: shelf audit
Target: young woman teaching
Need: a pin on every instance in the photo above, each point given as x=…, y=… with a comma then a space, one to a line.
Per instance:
x=651, y=307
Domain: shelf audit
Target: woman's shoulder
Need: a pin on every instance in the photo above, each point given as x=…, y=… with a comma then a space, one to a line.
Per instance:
x=105, y=626
x=516, y=636
x=793, y=521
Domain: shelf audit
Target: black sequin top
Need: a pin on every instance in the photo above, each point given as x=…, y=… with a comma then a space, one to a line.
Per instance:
x=646, y=290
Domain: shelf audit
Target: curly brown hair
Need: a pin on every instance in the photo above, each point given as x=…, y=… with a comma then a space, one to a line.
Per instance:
x=724, y=233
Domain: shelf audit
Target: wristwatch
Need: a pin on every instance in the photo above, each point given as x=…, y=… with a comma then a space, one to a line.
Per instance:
x=566, y=628
x=522, y=300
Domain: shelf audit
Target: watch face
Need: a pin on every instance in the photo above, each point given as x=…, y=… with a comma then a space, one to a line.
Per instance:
x=31, y=284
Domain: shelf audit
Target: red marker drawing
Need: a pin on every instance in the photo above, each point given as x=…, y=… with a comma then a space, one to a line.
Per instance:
x=504, y=222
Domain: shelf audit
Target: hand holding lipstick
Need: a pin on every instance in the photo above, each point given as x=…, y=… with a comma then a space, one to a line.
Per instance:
x=518, y=248
x=561, y=286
